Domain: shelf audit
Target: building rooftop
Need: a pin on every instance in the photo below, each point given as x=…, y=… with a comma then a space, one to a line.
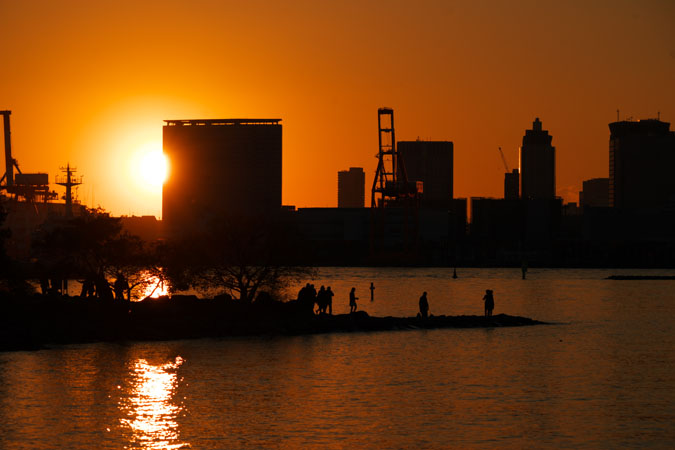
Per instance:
x=220, y=122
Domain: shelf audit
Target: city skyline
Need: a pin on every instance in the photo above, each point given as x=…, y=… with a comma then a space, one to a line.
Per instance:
x=85, y=93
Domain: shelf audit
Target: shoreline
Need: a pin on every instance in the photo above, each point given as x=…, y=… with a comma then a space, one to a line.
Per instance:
x=36, y=322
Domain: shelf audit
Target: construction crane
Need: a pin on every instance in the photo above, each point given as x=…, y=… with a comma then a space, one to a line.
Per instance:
x=394, y=200
x=390, y=185
x=10, y=163
x=29, y=186
x=506, y=166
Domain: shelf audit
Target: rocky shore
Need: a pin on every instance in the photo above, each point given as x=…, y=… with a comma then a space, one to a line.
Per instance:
x=35, y=322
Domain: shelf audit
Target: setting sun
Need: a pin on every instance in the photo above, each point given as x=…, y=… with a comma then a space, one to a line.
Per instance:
x=151, y=166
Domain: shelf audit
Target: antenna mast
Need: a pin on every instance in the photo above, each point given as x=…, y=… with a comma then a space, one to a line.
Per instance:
x=69, y=181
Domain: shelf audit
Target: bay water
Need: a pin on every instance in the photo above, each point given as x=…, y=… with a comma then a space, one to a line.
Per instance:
x=601, y=374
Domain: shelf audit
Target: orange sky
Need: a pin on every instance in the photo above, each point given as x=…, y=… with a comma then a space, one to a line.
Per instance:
x=90, y=82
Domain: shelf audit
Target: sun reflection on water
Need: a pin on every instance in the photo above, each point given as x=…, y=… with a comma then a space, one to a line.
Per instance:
x=150, y=410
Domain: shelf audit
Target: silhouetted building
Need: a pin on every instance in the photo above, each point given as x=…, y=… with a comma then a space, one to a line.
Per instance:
x=24, y=218
x=571, y=209
x=430, y=162
x=641, y=163
x=500, y=219
x=334, y=235
x=351, y=188
x=147, y=228
x=512, y=185
x=594, y=193
x=537, y=164
x=506, y=231
x=227, y=167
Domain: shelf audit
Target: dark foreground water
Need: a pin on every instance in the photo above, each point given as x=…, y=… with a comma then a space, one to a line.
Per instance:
x=602, y=377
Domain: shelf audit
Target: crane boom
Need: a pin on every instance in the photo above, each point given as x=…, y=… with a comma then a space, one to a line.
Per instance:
x=506, y=166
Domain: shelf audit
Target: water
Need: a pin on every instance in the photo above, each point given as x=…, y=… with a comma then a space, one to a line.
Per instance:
x=602, y=377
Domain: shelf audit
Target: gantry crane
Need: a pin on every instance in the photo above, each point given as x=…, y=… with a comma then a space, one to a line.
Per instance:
x=29, y=186
x=394, y=199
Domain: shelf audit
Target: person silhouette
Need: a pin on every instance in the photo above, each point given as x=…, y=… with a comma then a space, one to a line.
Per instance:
x=311, y=297
x=372, y=291
x=489, y=302
x=424, y=306
x=352, y=300
x=120, y=286
x=321, y=301
x=329, y=299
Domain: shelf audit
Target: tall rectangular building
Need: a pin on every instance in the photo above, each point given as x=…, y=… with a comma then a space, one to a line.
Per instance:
x=512, y=185
x=537, y=164
x=220, y=168
x=641, y=163
x=430, y=162
x=351, y=188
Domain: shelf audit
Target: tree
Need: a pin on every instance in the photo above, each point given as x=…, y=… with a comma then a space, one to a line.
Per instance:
x=241, y=257
x=93, y=246
x=12, y=274
x=4, y=261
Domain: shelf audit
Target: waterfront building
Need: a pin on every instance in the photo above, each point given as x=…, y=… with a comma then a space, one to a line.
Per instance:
x=512, y=185
x=537, y=164
x=641, y=162
x=430, y=162
x=595, y=193
x=351, y=188
x=220, y=168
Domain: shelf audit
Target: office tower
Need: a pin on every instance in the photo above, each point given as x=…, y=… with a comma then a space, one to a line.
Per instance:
x=537, y=164
x=220, y=168
x=595, y=193
x=351, y=188
x=641, y=163
x=512, y=185
x=430, y=162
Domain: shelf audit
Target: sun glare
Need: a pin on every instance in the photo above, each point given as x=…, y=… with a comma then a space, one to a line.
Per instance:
x=151, y=165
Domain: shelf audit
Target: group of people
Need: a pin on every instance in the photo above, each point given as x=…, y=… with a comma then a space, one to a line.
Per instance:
x=323, y=300
x=100, y=287
x=309, y=298
x=93, y=286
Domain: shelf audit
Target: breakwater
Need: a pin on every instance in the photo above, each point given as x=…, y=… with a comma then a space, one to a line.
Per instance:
x=37, y=321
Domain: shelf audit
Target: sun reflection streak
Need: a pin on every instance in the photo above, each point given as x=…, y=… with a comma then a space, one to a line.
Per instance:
x=150, y=411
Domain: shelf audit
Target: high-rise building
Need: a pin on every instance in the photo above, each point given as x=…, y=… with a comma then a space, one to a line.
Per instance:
x=537, y=164
x=595, y=193
x=351, y=188
x=512, y=185
x=641, y=163
x=228, y=167
x=430, y=162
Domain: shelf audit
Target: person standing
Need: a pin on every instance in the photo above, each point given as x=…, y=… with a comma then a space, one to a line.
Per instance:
x=329, y=299
x=372, y=291
x=352, y=300
x=321, y=301
x=489, y=302
x=424, y=306
x=120, y=286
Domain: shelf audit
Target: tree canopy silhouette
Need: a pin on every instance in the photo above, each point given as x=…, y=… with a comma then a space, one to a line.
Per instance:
x=93, y=246
x=241, y=257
